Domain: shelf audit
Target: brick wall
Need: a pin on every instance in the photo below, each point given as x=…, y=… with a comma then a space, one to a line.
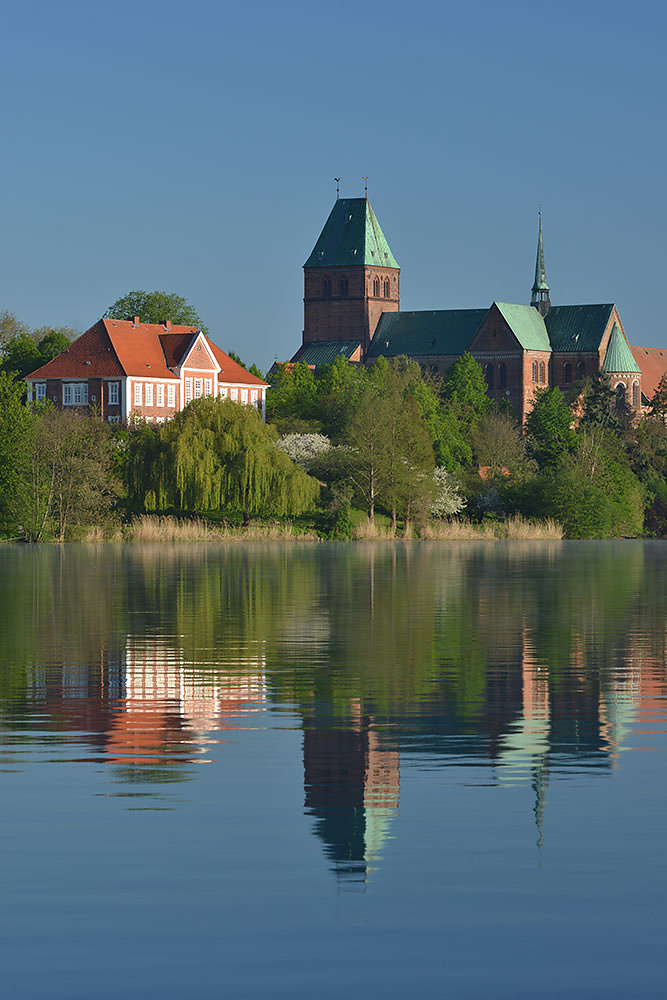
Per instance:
x=351, y=316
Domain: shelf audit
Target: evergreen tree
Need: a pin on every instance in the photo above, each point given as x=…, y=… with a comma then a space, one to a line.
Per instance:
x=549, y=426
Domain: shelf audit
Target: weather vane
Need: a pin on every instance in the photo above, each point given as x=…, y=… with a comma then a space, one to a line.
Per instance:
x=365, y=180
x=337, y=180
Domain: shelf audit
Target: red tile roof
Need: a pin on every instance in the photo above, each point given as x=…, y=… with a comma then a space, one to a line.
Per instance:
x=653, y=363
x=90, y=356
x=113, y=348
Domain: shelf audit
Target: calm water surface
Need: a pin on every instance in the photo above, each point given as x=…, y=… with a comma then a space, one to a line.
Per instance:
x=387, y=770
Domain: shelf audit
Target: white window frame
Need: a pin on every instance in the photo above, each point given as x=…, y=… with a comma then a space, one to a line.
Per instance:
x=254, y=393
x=244, y=395
x=223, y=391
x=171, y=395
x=138, y=397
x=40, y=392
x=113, y=420
x=113, y=394
x=199, y=388
x=75, y=394
x=159, y=394
x=208, y=386
x=148, y=393
x=234, y=394
x=188, y=391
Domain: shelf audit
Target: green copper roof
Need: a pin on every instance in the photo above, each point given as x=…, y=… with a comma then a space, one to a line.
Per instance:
x=445, y=331
x=325, y=352
x=351, y=236
x=619, y=356
x=577, y=328
x=526, y=324
x=540, y=283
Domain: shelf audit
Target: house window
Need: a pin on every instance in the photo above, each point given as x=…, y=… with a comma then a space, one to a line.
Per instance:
x=386, y=289
x=159, y=395
x=534, y=371
x=327, y=288
x=223, y=391
x=113, y=393
x=149, y=393
x=113, y=420
x=567, y=373
x=198, y=388
x=488, y=375
x=344, y=287
x=208, y=387
x=188, y=391
x=137, y=394
x=171, y=395
x=502, y=375
x=621, y=394
x=253, y=396
x=75, y=394
x=244, y=395
x=542, y=373
x=581, y=370
x=40, y=391
x=635, y=394
x=376, y=288
x=234, y=394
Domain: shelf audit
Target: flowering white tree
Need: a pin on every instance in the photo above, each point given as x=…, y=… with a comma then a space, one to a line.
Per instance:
x=303, y=449
x=447, y=500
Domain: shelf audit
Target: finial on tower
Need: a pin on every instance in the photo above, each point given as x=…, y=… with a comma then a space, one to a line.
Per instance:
x=337, y=180
x=540, y=298
x=365, y=180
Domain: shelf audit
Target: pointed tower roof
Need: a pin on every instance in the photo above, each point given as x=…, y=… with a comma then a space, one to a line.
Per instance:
x=619, y=357
x=540, y=283
x=351, y=237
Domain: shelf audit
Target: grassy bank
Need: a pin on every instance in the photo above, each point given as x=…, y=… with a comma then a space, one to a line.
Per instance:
x=167, y=528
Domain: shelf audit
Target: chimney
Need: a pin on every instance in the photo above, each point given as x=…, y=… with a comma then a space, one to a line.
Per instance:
x=167, y=324
x=136, y=320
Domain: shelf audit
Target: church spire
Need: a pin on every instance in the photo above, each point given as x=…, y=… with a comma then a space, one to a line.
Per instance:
x=540, y=298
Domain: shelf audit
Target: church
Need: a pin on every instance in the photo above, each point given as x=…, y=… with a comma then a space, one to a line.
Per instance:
x=352, y=309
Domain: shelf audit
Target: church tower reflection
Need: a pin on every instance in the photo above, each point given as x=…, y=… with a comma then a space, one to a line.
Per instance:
x=352, y=787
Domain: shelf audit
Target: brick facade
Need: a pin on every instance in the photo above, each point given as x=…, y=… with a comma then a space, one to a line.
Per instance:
x=345, y=303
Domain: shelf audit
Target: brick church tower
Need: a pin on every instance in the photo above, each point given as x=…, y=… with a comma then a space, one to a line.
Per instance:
x=350, y=278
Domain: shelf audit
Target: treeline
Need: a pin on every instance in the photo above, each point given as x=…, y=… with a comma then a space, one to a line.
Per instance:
x=342, y=446
x=582, y=460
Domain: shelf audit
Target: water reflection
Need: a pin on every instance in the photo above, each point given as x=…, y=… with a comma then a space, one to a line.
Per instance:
x=523, y=662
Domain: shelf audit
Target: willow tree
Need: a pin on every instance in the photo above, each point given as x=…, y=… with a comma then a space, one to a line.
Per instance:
x=220, y=456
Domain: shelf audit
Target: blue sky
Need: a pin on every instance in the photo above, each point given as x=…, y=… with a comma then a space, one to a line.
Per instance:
x=192, y=147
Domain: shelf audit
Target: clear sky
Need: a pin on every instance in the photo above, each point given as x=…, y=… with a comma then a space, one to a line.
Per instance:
x=191, y=147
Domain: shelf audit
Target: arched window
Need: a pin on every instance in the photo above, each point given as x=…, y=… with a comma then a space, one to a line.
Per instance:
x=567, y=373
x=581, y=370
x=542, y=373
x=635, y=394
x=376, y=287
x=502, y=375
x=488, y=375
x=386, y=288
x=621, y=394
x=534, y=371
x=327, y=288
x=344, y=286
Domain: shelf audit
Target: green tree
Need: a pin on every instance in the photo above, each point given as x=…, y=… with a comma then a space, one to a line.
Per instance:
x=600, y=405
x=464, y=390
x=217, y=455
x=17, y=424
x=20, y=355
x=10, y=326
x=549, y=426
x=292, y=396
x=500, y=445
x=156, y=307
x=659, y=399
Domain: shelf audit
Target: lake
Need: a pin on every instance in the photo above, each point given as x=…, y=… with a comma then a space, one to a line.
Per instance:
x=388, y=769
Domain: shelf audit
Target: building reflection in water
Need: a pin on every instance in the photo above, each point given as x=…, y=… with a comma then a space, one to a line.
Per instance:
x=352, y=786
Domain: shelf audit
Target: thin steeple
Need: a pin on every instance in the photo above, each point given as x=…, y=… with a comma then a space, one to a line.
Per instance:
x=540, y=298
